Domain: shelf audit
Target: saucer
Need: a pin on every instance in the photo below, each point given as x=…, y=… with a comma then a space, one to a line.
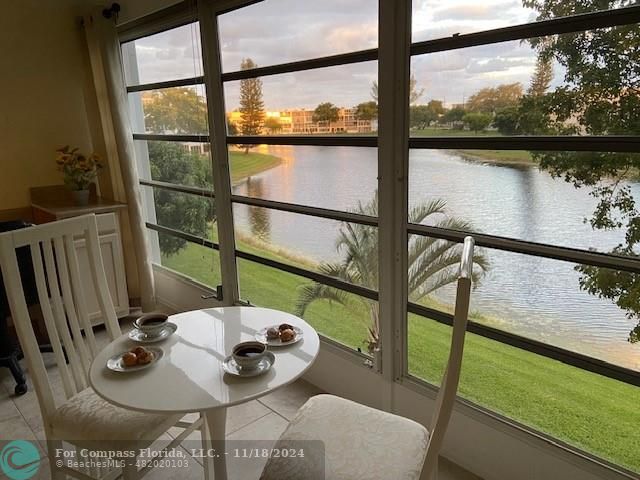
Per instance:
x=141, y=337
x=115, y=363
x=264, y=365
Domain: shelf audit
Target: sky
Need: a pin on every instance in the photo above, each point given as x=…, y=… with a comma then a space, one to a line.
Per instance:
x=278, y=31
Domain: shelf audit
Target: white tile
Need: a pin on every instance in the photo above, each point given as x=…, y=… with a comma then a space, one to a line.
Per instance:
x=237, y=417
x=18, y=429
x=269, y=427
x=287, y=400
x=8, y=409
x=257, y=435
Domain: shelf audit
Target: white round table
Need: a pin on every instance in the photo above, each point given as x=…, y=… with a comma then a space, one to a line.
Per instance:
x=190, y=377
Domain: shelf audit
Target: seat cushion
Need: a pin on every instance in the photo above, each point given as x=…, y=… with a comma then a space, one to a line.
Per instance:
x=87, y=417
x=359, y=443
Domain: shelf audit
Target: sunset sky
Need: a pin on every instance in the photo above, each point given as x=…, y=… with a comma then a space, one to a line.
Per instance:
x=278, y=31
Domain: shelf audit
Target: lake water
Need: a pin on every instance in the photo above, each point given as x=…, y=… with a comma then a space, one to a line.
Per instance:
x=536, y=297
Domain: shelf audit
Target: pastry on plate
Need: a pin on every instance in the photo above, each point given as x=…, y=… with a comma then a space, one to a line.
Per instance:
x=273, y=333
x=130, y=359
x=287, y=335
x=145, y=358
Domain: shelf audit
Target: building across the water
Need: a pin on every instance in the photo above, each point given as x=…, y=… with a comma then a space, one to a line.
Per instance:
x=301, y=121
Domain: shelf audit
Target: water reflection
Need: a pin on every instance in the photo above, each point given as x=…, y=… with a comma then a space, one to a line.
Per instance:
x=259, y=218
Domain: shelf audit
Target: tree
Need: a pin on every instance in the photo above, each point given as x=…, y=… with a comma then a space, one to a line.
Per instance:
x=477, y=121
x=367, y=110
x=171, y=163
x=436, y=107
x=231, y=128
x=414, y=93
x=272, y=124
x=325, y=112
x=542, y=76
x=421, y=116
x=433, y=263
x=251, y=104
x=454, y=115
x=178, y=110
x=507, y=120
x=490, y=100
x=601, y=96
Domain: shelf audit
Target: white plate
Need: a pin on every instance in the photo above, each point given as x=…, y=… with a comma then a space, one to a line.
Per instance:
x=261, y=336
x=231, y=367
x=141, y=337
x=115, y=363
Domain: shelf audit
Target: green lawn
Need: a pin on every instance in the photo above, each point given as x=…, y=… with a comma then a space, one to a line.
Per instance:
x=502, y=157
x=595, y=413
x=243, y=165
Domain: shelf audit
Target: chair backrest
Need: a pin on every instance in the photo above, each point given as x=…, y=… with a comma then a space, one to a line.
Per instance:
x=449, y=386
x=62, y=300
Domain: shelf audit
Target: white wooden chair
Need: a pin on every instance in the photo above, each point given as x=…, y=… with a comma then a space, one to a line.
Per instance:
x=82, y=418
x=367, y=444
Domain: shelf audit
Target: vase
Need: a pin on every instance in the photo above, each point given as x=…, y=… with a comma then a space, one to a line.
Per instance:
x=81, y=197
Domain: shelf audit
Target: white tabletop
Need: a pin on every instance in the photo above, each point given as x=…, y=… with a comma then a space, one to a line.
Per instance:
x=190, y=378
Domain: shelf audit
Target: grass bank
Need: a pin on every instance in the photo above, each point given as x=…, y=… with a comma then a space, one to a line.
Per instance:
x=244, y=165
x=498, y=157
x=592, y=412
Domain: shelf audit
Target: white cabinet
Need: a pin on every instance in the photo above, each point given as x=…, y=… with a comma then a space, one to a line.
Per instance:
x=54, y=202
x=113, y=259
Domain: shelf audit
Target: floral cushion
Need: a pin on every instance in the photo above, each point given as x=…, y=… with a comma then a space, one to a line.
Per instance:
x=87, y=417
x=359, y=443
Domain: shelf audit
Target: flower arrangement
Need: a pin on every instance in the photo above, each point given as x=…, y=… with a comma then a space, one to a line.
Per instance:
x=79, y=170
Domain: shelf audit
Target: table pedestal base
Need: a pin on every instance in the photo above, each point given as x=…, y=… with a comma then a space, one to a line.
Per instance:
x=215, y=422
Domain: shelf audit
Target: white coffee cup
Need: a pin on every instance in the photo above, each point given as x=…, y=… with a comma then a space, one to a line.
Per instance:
x=151, y=323
x=247, y=355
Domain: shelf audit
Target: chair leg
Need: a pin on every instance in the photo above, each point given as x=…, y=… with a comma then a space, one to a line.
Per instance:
x=56, y=473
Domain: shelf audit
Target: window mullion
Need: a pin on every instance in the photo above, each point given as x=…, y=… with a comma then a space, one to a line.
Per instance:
x=219, y=151
x=393, y=160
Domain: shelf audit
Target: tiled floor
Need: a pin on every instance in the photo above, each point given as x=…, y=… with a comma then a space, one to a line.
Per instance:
x=263, y=419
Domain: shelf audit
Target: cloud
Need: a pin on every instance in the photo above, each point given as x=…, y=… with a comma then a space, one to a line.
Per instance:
x=499, y=64
x=472, y=11
x=279, y=31
x=432, y=20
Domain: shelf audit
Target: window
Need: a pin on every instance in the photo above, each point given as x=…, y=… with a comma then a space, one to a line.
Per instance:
x=522, y=132
x=168, y=109
x=554, y=225
x=281, y=186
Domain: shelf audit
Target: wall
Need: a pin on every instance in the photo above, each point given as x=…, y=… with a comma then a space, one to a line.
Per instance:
x=44, y=85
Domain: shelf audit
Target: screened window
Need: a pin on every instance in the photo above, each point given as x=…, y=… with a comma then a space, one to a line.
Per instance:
x=168, y=111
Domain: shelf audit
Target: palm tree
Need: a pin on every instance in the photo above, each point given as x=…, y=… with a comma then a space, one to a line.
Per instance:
x=433, y=263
